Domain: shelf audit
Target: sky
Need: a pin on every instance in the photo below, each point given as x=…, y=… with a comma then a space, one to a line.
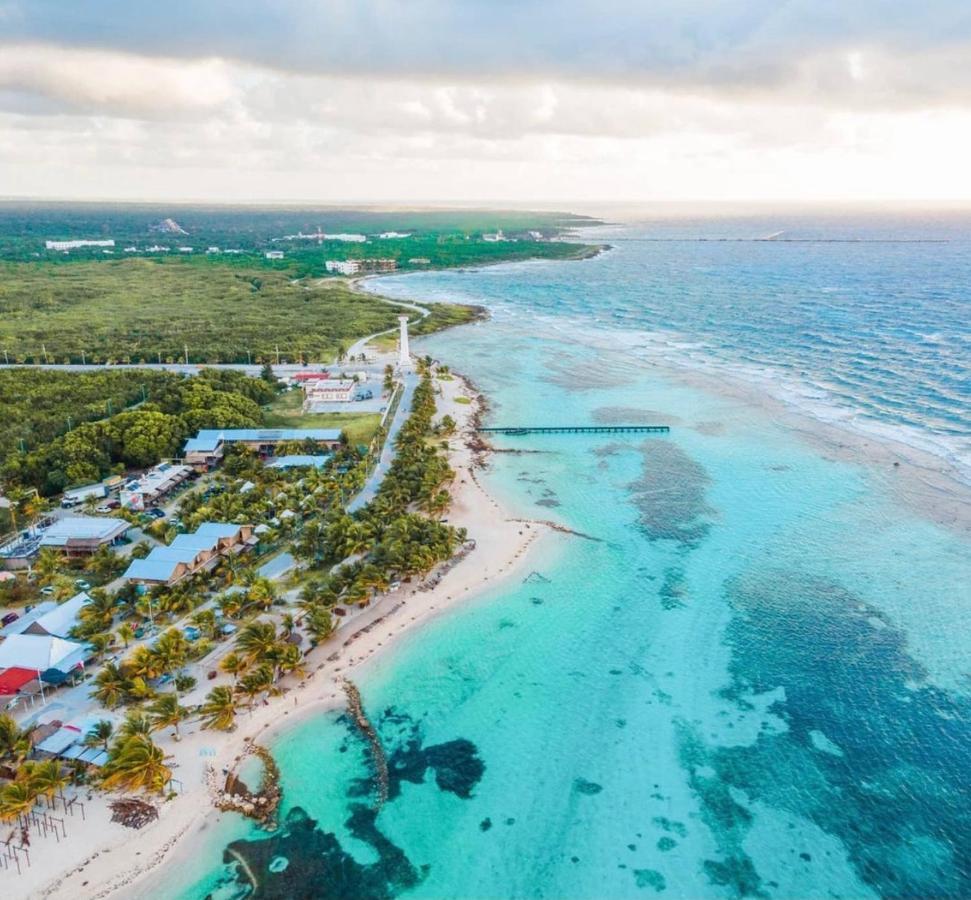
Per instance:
x=423, y=101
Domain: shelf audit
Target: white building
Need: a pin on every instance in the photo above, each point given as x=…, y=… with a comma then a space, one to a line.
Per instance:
x=394, y=234
x=343, y=266
x=494, y=238
x=74, y=245
x=274, y=254
x=327, y=390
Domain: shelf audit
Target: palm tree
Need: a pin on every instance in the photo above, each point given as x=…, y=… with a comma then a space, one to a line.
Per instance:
x=290, y=659
x=112, y=685
x=48, y=564
x=100, y=734
x=136, y=763
x=166, y=712
x=287, y=625
x=256, y=682
x=48, y=778
x=262, y=593
x=320, y=623
x=256, y=640
x=16, y=799
x=101, y=643
x=234, y=664
x=99, y=611
x=14, y=744
x=219, y=709
x=136, y=723
x=126, y=633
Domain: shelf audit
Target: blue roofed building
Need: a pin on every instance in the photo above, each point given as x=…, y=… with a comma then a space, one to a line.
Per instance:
x=190, y=553
x=205, y=450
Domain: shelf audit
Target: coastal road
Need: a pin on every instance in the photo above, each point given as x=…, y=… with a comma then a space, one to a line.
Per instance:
x=366, y=495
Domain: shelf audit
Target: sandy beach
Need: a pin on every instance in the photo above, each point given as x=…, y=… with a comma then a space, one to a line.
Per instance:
x=99, y=858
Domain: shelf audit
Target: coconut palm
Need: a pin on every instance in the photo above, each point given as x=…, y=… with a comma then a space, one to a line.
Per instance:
x=48, y=564
x=126, y=633
x=166, y=712
x=14, y=744
x=99, y=734
x=256, y=682
x=290, y=660
x=48, y=778
x=262, y=593
x=98, y=613
x=16, y=799
x=320, y=623
x=136, y=763
x=234, y=664
x=101, y=643
x=111, y=685
x=136, y=723
x=256, y=640
x=219, y=709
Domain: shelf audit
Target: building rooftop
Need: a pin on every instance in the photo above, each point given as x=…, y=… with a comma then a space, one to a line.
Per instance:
x=83, y=528
x=20, y=625
x=60, y=620
x=209, y=439
x=40, y=652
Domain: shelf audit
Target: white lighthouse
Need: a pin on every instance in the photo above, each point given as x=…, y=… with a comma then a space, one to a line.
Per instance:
x=404, y=356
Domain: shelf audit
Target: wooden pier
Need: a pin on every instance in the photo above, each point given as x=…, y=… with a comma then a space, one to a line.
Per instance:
x=577, y=429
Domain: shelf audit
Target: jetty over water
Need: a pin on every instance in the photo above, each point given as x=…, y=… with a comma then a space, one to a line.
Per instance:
x=577, y=429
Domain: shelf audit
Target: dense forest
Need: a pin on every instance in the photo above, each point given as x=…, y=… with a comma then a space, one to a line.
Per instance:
x=139, y=310
x=37, y=405
x=137, y=437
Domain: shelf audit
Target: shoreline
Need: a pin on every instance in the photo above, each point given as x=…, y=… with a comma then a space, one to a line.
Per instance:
x=92, y=865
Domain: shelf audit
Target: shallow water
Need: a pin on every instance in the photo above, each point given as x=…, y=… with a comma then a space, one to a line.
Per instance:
x=754, y=683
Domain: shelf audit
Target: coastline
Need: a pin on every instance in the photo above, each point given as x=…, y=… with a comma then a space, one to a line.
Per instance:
x=90, y=863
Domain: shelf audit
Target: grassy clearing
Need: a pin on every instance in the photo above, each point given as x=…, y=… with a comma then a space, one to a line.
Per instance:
x=286, y=412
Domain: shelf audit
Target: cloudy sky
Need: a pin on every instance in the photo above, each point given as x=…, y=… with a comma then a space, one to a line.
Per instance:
x=486, y=100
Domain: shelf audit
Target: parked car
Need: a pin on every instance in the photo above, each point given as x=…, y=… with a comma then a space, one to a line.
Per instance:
x=82, y=585
x=47, y=591
x=103, y=509
x=156, y=513
x=8, y=618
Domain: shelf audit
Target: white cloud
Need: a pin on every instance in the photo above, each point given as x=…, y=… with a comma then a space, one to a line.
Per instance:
x=116, y=83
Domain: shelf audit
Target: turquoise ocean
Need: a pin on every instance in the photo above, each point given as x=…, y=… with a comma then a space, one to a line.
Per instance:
x=752, y=678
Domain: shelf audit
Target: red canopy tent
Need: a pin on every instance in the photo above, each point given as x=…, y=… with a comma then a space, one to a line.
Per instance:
x=12, y=680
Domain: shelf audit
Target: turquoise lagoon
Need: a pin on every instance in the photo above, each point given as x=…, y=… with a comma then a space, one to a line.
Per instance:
x=749, y=679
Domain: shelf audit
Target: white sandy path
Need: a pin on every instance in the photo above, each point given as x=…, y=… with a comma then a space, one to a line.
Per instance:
x=101, y=859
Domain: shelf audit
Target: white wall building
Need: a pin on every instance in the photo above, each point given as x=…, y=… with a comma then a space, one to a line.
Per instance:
x=327, y=390
x=74, y=245
x=343, y=266
x=274, y=254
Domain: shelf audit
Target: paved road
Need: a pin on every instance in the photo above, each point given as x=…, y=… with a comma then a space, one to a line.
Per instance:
x=370, y=488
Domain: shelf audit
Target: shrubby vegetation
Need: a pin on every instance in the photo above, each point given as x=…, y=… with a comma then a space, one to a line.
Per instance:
x=143, y=310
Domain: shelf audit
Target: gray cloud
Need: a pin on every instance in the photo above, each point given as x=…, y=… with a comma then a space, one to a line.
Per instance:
x=720, y=44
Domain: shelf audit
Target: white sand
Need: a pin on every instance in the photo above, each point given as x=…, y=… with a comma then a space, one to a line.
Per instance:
x=101, y=859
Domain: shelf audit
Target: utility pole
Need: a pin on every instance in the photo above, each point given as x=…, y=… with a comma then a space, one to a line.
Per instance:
x=160, y=357
x=278, y=354
x=69, y=423
x=83, y=360
x=44, y=348
x=249, y=357
x=187, y=354
x=6, y=359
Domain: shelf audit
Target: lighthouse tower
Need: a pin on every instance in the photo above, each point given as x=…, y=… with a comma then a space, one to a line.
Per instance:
x=404, y=356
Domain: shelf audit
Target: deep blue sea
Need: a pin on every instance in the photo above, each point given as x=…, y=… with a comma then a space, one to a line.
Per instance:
x=755, y=681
